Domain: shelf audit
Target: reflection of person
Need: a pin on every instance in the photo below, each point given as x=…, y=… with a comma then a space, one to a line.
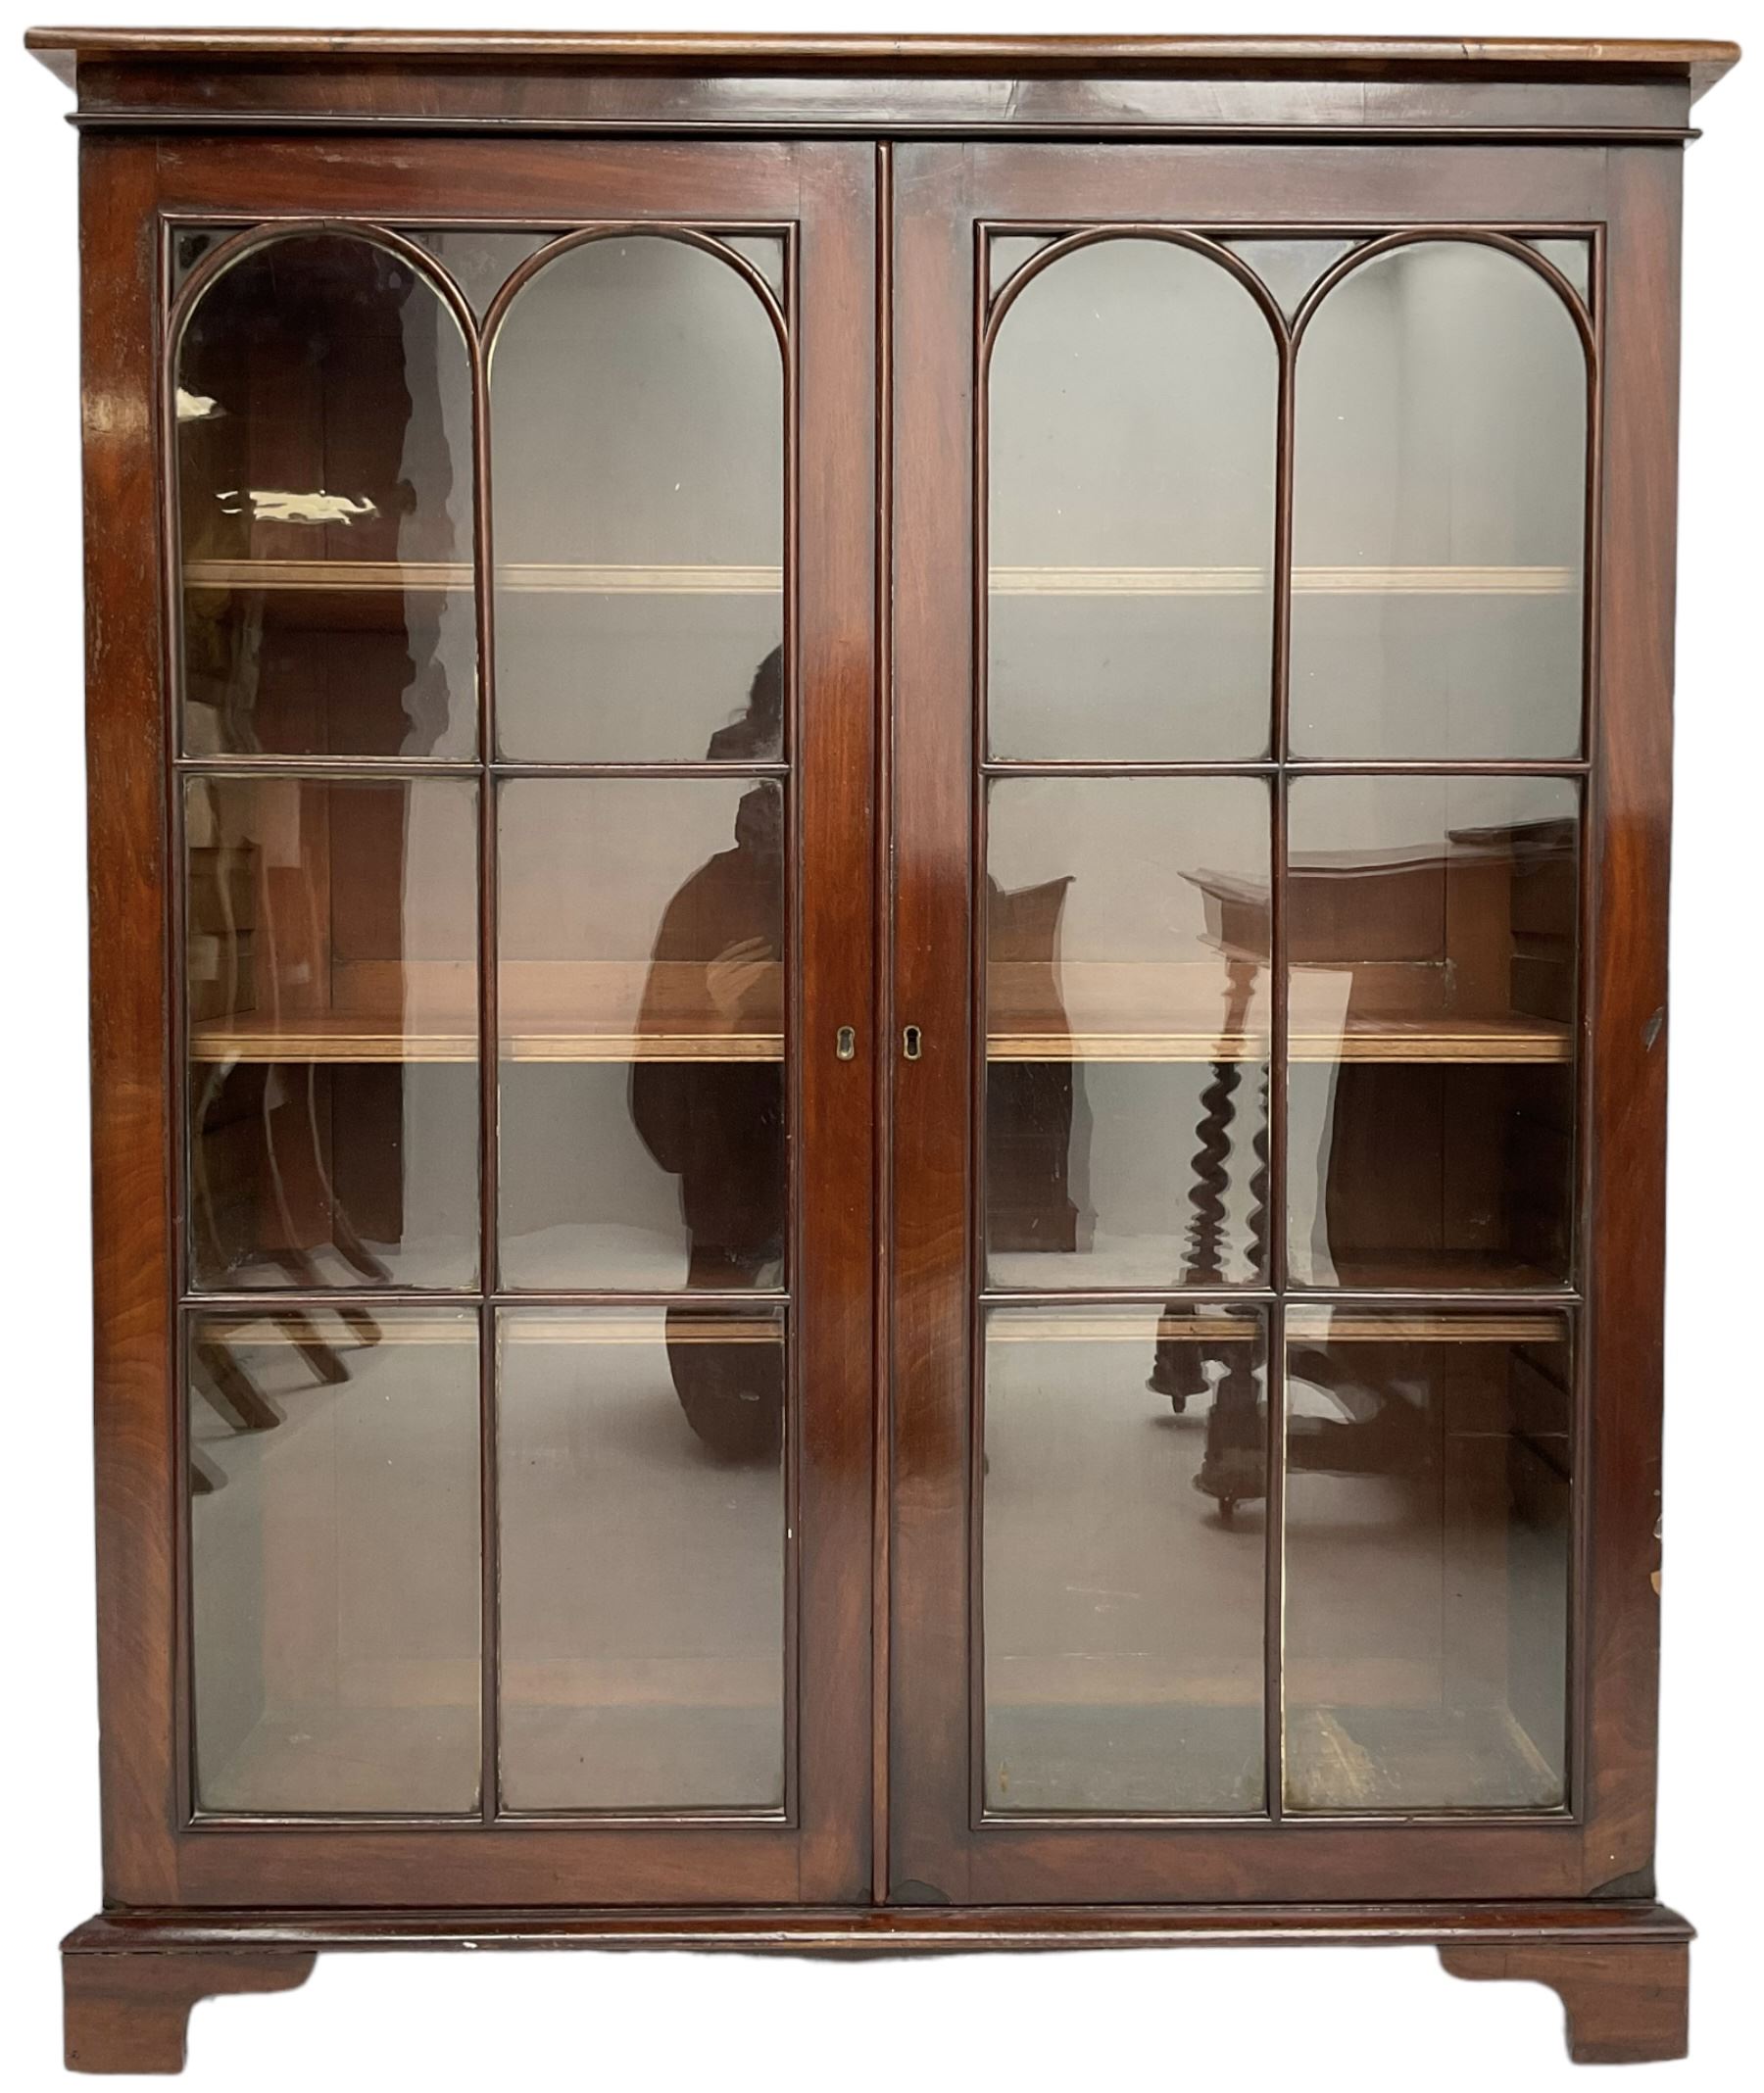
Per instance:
x=717, y=1125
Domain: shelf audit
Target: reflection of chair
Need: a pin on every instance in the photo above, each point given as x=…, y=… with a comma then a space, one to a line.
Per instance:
x=229, y=1390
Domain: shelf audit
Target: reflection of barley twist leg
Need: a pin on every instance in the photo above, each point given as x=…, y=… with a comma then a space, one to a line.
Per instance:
x=1259, y=1185
x=1209, y=1179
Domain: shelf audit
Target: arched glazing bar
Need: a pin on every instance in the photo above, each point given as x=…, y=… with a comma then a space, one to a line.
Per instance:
x=321, y=417
x=1444, y=487
x=643, y=503
x=1159, y=519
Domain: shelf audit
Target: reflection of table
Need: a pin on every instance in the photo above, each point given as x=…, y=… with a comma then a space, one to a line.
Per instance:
x=1459, y=953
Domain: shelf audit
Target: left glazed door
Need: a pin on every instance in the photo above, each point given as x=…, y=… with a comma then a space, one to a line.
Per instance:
x=515, y=707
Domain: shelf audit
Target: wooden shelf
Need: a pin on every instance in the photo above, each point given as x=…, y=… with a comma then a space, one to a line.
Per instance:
x=1482, y=1040
x=352, y=1038
x=421, y=1010
x=412, y=577
x=1105, y=1010
x=453, y=1321
x=1307, y=582
x=563, y=577
x=1305, y=1324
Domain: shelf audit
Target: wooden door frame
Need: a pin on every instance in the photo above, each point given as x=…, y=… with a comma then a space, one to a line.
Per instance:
x=941, y=1849
x=133, y=190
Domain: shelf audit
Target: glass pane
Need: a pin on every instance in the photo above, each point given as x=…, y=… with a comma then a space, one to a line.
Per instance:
x=1439, y=512
x=1574, y=257
x=1123, y=1623
x=1127, y=1031
x=638, y=397
x=643, y=1549
x=1131, y=421
x=1431, y=935
x=766, y=251
x=1427, y=1560
x=332, y=990
x=325, y=465
x=480, y=263
x=1006, y=252
x=642, y=1011
x=334, y=1570
x=1289, y=267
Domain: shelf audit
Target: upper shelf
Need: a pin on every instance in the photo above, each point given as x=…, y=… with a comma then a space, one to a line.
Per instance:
x=348, y=576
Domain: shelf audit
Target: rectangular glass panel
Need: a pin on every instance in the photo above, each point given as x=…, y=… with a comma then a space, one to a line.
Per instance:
x=637, y=386
x=324, y=485
x=641, y=1003
x=1431, y=933
x=1123, y=1618
x=331, y=941
x=334, y=1569
x=1133, y=396
x=1127, y=1031
x=1428, y=1524
x=643, y=1553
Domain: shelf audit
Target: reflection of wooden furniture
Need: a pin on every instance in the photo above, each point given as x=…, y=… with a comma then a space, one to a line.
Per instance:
x=1029, y=1098
x=1452, y=1553
x=1427, y=960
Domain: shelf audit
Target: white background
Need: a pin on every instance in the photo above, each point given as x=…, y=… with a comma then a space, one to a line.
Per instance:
x=1223, y=2017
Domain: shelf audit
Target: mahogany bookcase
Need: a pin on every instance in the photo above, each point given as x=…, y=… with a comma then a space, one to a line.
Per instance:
x=878, y=872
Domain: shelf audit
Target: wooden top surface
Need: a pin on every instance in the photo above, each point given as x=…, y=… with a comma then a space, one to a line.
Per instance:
x=1702, y=63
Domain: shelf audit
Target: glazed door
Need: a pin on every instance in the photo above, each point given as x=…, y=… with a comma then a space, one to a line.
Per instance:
x=1244, y=556
x=519, y=636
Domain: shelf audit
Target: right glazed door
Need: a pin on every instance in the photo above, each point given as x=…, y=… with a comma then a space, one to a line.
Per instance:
x=1237, y=1351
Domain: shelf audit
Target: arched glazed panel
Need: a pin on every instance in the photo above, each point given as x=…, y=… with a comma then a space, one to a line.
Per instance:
x=1439, y=505
x=1132, y=409
x=322, y=411
x=638, y=439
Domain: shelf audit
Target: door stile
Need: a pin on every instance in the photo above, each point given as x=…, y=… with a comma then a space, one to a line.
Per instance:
x=933, y=644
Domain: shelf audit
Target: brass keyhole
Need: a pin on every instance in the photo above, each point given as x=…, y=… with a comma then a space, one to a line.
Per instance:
x=912, y=1042
x=845, y=1045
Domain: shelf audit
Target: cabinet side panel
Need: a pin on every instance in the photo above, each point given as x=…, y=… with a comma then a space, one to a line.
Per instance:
x=131, y=1200
x=1632, y=799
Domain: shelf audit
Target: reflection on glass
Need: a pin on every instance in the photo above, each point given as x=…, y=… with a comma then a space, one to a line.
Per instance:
x=642, y=1012
x=641, y=1570
x=325, y=471
x=334, y=1572
x=1430, y=929
x=1439, y=512
x=1124, y=1626
x=637, y=390
x=1427, y=1560
x=1127, y=1031
x=331, y=934
x=1131, y=419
